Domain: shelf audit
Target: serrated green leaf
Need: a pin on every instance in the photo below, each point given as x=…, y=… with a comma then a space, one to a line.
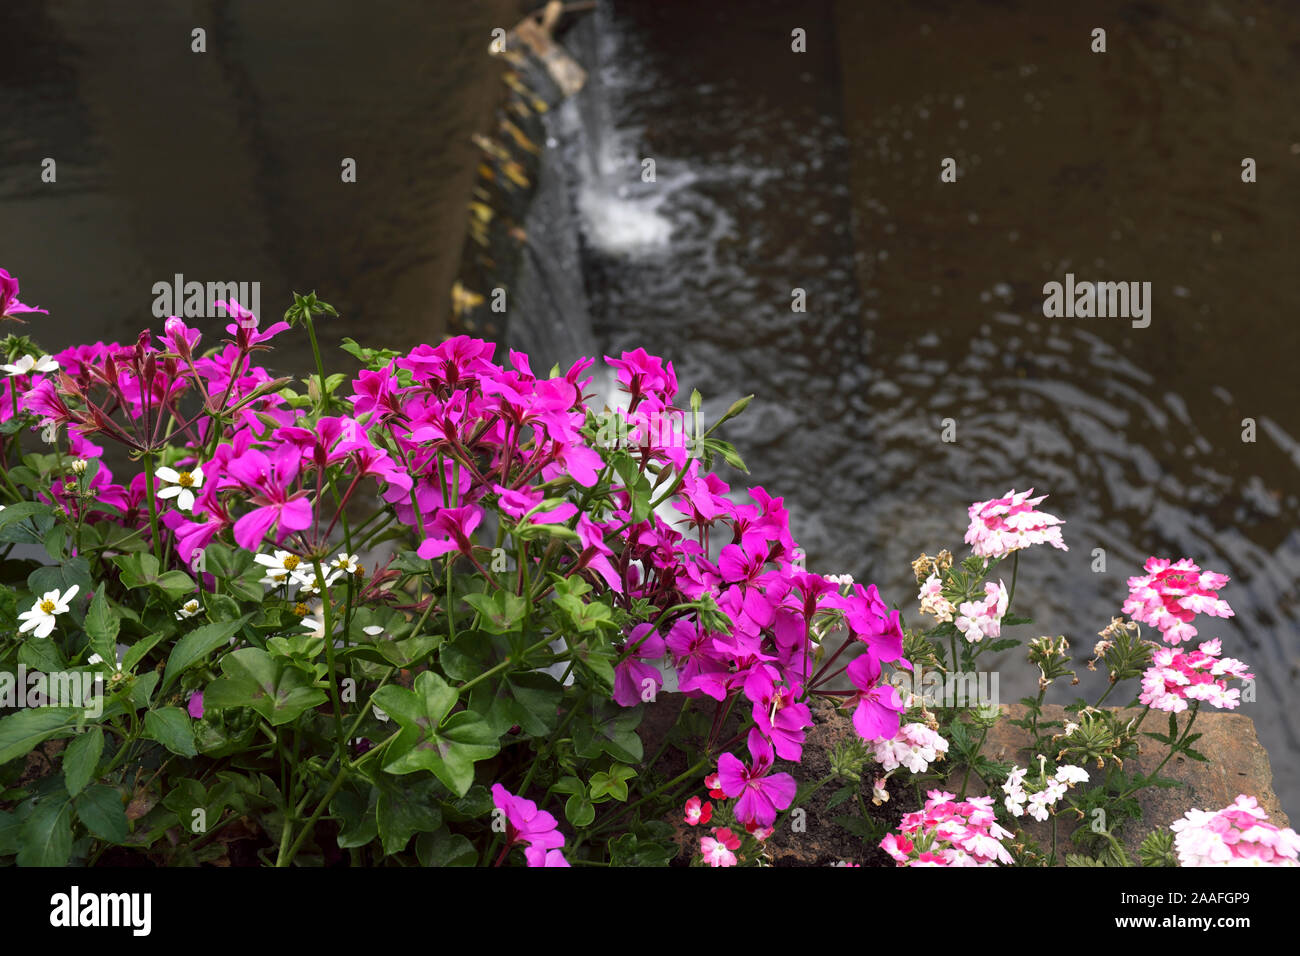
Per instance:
x=197, y=644
x=171, y=727
x=47, y=834
x=81, y=758
x=101, y=809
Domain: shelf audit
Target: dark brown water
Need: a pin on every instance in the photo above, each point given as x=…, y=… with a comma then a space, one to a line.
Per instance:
x=774, y=171
x=820, y=171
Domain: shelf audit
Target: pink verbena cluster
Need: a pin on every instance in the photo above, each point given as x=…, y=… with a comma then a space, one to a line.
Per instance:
x=1171, y=594
x=915, y=747
x=1237, y=835
x=1003, y=525
x=949, y=833
x=1177, y=676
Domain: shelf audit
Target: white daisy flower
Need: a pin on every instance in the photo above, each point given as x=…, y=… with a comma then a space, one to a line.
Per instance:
x=347, y=563
x=279, y=566
x=188, y=609
x=41, y=618
x=309, y=584
x=180, y=485
x=28, y=364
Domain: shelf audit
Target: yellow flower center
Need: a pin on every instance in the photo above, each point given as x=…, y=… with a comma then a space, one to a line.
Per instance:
x=290, y=562
x=300, y=609
x=185, y=479
x=47, y=607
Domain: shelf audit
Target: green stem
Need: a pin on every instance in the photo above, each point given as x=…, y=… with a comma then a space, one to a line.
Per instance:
x=326, y=399
x=970, y=765
x=328, y=619
x=153, y=508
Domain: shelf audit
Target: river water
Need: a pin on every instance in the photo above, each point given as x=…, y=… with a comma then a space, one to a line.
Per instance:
x=775, y=171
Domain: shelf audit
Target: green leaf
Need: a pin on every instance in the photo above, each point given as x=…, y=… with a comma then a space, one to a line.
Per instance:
x=20, y=733
x=61, y=577
x=137, y=651
x=11, y=833
x=500, y=612
x=449, y=751
x=55, y=540
x=627, y=850
x=47, y=834
x=406, y=810
x=100, y=808
x=423, y=707
x=579, y=810
x=605, y=784
x=536, y=698
x=569, y=785
x=441, y=848
x=840, y=795
x=102, y=625
x=138, y=570
x=612, y=730
x=24, y=509
x=81, y=758
x=175, y=584
x=171, y=727
x=356, y=817
x=253, y=679
x=197, y=644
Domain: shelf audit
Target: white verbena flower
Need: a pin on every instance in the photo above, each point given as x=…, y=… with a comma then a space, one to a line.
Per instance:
x=40, y=619
x=180, y=485
x=188, y=609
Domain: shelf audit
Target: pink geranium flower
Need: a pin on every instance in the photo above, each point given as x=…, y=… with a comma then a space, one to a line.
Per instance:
x=10, y=307
x=268, y=479
x=456, y=525
x=878, y=704
x=527, y=825
x=761, y=793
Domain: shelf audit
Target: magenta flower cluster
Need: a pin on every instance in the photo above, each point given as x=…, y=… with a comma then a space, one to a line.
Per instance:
x=445, y=433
